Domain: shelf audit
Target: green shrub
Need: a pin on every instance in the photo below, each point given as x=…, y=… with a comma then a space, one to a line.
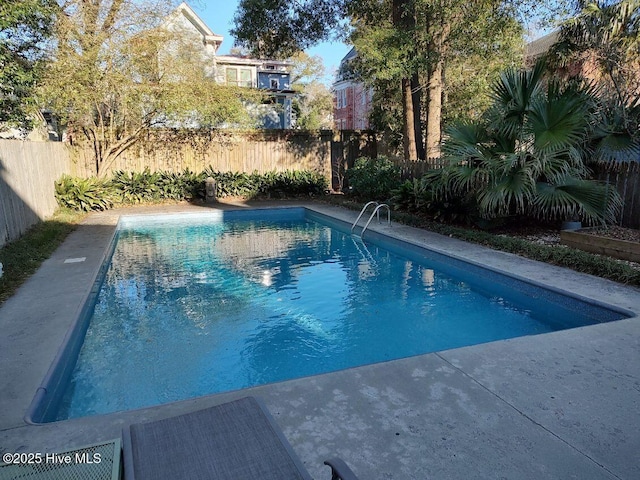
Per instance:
x=84, y=194
x=412, y=195
x=374, y=178
x=181, y=186
x=233, y=184
x=132, y=187
x=290, y=183
x=421, y=195
x=136, y=187
x=272, y=184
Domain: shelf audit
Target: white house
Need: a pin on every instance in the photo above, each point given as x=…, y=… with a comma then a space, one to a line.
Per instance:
x=272, y=76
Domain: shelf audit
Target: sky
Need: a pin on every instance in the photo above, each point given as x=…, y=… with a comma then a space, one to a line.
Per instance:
x=218, y=15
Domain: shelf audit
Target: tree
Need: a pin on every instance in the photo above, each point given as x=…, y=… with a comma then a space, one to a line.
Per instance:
x=528, y=155
x=410, y=42
x=25, y=25
x=314, y=107
x=450, y=75
x=279, y=28
x=122, y=67
x=403, y=20
x=306, y=69
x=472, y=67
x=314, y=103
x=605, y=36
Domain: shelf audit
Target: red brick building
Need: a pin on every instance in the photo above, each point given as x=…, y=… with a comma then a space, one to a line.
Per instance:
x=352, y=100
x=584, y=66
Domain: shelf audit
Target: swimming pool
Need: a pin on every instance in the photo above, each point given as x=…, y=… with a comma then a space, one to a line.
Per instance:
x=198, y=304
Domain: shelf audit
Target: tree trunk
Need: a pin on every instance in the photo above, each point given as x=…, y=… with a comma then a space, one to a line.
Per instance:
x=434, y=110
x=410, y=149
x=438, y=32
x=417, y=115
x=403, y=18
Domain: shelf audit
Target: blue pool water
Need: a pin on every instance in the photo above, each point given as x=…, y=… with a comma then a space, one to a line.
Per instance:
x=199, y=304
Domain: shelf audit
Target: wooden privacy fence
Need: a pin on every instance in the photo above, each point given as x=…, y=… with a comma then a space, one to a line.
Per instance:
x=28, y=171
x=626, y=179
x=327, y=152
x=262, y=151
x=417, y=168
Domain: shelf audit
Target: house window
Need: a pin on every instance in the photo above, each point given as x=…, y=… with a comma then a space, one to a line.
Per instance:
x=275, y=84
x=341, y=98
x=239, y=77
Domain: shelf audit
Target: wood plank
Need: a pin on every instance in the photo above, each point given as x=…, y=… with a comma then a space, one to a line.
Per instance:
x=621, y=249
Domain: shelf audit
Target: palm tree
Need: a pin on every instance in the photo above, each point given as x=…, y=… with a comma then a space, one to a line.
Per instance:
x=527, y=156
x=605, y=36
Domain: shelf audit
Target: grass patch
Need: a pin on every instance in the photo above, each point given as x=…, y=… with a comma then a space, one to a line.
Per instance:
x=597, y=265
x=21, y=258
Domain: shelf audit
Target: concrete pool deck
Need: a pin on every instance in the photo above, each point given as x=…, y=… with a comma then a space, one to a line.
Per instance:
x=553, y=406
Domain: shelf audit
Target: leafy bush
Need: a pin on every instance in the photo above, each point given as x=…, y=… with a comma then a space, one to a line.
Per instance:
x=527, y=156
x=84, y=194
x=374, y=178
x=422, y=195
x=276, y=184
x=136, y=187
x=233, y=184
x=132, y=187
x=413, y=195
x=181, y=186
x=291, y=183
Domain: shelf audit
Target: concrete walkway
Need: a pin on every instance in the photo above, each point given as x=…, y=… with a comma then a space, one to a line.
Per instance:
x=554, y=406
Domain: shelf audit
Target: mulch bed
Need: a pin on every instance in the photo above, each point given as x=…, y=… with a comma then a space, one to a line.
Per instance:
x=619, y=233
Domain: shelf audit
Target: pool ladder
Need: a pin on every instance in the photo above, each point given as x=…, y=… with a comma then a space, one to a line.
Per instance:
x=375, y=212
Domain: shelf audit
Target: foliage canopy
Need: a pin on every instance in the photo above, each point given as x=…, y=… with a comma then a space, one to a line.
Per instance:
x=122, y=67
x=604, y=40
x=313, y=106
x=25, y=26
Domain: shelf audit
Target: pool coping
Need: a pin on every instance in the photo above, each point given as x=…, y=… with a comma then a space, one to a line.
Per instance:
x=25, y=360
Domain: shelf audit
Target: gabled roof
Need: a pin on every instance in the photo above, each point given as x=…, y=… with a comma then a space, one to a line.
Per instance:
x=351, y=54
x=541, y=45
x=207, y=34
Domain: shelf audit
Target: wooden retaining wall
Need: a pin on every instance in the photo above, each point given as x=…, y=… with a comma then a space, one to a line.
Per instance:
x=612, y=247
x=28, y=171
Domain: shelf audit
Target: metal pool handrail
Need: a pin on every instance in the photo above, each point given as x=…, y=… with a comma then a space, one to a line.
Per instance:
x=362, y=213
x=382, y=205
